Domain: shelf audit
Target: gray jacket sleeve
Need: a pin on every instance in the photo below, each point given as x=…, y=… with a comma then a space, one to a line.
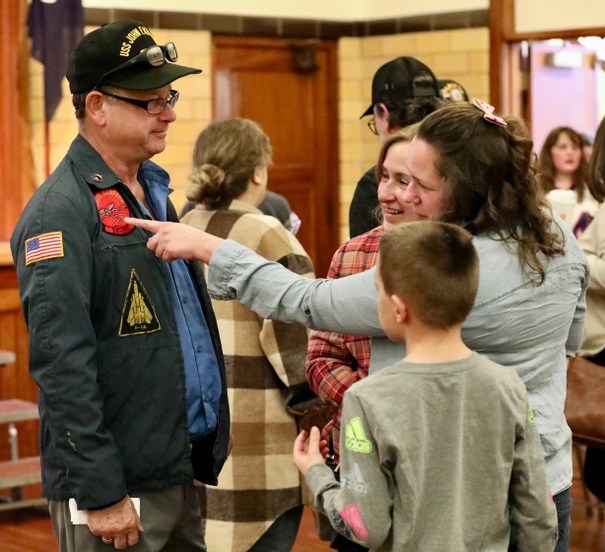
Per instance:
x=346, y=305
x=360, y=506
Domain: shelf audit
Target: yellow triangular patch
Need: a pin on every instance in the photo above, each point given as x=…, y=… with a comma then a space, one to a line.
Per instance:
x=138, y=312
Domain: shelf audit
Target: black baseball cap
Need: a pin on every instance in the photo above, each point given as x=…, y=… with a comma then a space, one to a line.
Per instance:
x=96, y=59
x=403, y=77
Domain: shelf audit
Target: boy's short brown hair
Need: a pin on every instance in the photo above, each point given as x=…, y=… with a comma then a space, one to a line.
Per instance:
x=434, y=266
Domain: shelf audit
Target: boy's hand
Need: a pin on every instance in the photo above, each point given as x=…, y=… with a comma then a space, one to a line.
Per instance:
x=306, y=450
x=324, y=449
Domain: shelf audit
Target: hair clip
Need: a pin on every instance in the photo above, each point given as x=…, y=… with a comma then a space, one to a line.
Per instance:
x=488, y=112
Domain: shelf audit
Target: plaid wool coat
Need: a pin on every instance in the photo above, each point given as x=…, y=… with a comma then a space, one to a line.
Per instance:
x=264, y=361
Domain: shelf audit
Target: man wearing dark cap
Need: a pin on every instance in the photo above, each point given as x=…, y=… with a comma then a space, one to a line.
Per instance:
x=404, y=91
x=124, y=348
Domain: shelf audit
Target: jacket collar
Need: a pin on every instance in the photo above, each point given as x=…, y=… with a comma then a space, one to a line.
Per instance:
x=96, y=173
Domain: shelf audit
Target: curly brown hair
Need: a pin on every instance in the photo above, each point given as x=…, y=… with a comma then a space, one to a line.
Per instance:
x=490, y=173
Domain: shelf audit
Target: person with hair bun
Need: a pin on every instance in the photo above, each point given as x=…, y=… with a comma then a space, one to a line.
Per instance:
x=257, y=505
x=475, y=169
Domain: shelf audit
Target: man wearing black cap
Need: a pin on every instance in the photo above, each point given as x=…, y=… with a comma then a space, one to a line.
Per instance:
x=404, y=91
x=124, y=348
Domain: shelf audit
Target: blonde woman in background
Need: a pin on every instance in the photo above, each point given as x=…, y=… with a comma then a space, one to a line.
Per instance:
x=257, y=505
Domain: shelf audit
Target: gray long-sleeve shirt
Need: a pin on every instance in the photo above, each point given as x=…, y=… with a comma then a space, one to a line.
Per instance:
x=439, y=456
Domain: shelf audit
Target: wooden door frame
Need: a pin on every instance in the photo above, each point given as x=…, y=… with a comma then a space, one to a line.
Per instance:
x=503, y=56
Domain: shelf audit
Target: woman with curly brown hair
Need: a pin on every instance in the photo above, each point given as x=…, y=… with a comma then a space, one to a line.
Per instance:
x=472, y=168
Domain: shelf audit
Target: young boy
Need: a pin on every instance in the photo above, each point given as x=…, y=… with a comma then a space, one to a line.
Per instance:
x=440, y=451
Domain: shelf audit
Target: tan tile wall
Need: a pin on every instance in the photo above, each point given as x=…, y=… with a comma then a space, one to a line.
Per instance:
x=460, y=54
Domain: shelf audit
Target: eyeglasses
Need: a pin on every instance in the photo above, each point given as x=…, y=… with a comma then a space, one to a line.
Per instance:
x=155, y=55
x=153, y=107
x=372, y=126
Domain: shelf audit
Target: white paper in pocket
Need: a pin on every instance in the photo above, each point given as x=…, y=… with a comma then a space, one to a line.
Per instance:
x=78, y=517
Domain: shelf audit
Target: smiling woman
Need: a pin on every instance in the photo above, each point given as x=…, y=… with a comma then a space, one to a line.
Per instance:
x=336, y=361
x=393, y=178
x=427, y=191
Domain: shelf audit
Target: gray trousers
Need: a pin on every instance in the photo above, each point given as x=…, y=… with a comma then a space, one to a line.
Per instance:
x=171, y=519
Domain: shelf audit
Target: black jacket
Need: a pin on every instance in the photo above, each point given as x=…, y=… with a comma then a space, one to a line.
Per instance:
x=364, y=205
x=104, y=345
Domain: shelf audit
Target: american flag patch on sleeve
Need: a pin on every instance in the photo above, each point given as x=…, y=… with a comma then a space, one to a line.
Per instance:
x=44, y=246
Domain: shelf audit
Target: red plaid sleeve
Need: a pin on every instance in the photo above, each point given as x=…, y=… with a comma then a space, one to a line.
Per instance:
x=336, y=361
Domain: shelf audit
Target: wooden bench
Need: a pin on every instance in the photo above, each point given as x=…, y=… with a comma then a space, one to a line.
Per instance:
x=18, y=472
x=15, y=474
x=17, y=410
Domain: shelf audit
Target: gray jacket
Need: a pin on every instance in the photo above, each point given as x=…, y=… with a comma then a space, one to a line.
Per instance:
x=514, y=322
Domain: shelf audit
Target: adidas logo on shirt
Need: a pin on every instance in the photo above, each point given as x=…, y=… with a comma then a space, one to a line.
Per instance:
x=355, y=437
x=353, y=481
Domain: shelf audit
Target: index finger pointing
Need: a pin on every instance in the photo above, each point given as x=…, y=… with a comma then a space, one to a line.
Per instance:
x=151, y=225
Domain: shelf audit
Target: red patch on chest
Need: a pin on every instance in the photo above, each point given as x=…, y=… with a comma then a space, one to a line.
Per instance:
x=112, y=210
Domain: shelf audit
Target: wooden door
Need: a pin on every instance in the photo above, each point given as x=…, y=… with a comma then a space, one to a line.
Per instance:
x=295, y=104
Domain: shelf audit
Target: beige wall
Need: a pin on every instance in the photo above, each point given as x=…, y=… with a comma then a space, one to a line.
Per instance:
x=554, y=15
x=461, y=55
